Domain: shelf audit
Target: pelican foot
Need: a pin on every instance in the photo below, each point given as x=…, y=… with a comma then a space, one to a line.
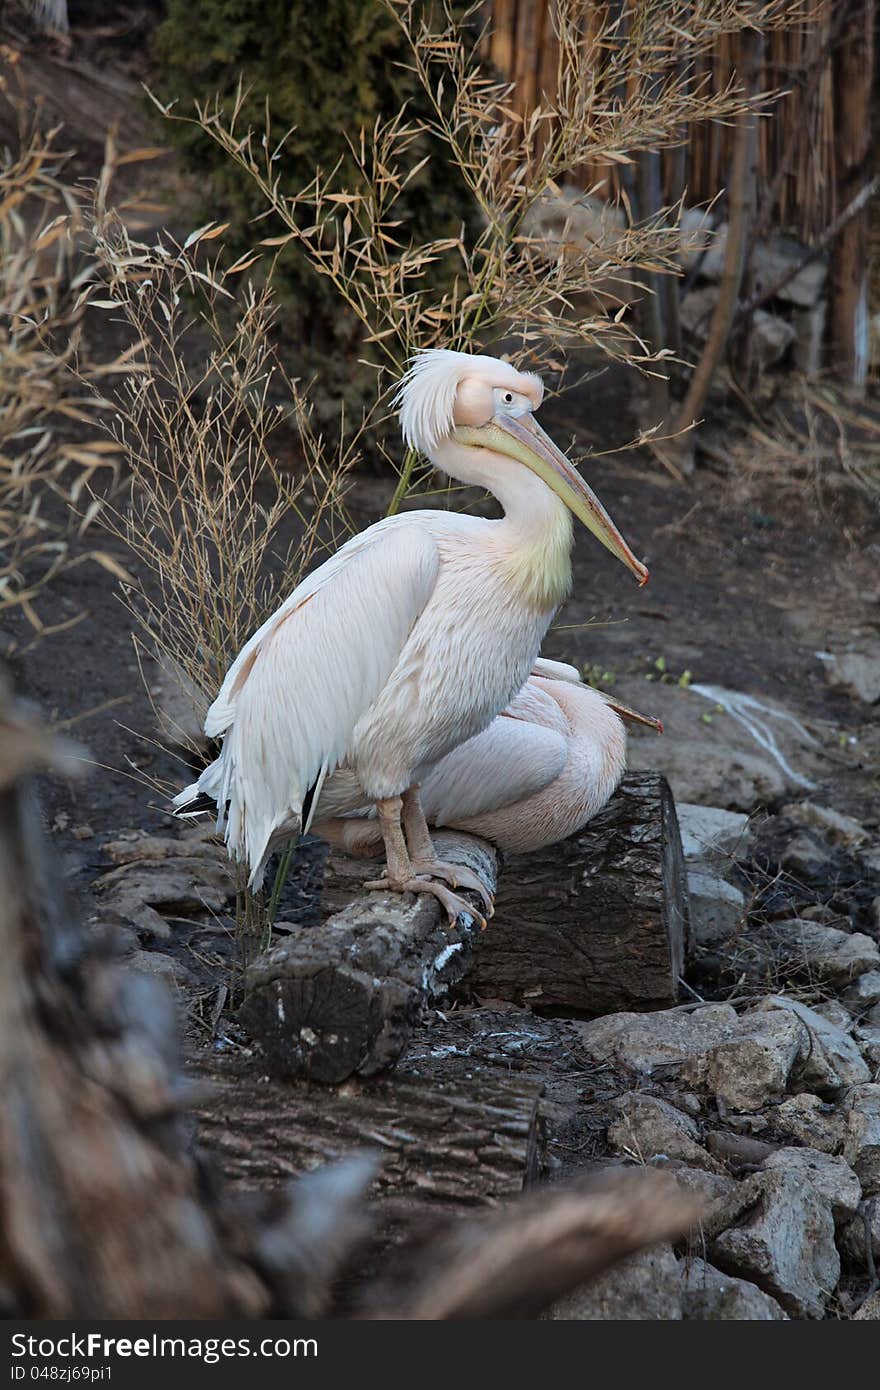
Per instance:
x=455, y=906
x=457, y=876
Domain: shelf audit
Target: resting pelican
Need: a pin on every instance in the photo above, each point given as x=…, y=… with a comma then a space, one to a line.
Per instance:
x=542, y=769
x=409, y=640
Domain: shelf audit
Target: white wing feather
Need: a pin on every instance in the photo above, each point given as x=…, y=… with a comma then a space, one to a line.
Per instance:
x=293, y=696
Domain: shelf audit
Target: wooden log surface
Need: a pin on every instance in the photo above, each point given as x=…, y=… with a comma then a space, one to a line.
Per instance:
x=437, y=1141
x=597, y=923
x=342, y=999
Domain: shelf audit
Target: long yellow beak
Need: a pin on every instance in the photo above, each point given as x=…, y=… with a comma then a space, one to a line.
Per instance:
x=524, y=440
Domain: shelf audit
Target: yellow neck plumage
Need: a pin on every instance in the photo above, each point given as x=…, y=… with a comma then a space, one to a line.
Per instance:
x=538, y=564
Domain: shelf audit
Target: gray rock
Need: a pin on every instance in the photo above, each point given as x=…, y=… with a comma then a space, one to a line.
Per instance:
x=180, y=705
x=753, y=1067
x=165, y=967
x=697, y=308
x=868, y=1041
x=718, y=764
x=833, y=1179
x=858, y=673
x=833, y=1012
x=778, y=255
x=831, y=1059
x=696, y=228
x=160, y=875
x=812, y=1122
x=805, y=856
x=744, y=1062
x=717, y=908
x=863, y=993
x=716, y=1191
x=711, y=1296
x=710, y=835
x=644, y=1288
x=784, y=1241
x=820, y=952
x=861, y=1145
x=869, y=1310
x=834, y=827
x=771, y=337
x=864, y=1226
x=809, y=326
x=650, y=1129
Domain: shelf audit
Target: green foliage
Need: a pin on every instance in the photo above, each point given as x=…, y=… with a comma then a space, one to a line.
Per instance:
x=328, y=69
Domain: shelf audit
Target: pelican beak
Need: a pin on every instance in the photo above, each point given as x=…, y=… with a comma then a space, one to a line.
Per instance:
x=524, y=440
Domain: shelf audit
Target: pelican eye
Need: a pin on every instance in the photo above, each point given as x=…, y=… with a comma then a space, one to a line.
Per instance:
x=508, y=396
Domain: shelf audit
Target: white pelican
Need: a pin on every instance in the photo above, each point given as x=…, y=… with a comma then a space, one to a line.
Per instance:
x=542, y=769
x=409, y=640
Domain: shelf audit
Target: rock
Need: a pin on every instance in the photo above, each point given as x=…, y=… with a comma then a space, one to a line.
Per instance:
x=165, y=967
x=770, y=338
x=717, y=908
x=710, y=835
x=158, y=876
x=744, y=1063
x=831, y=1060
x=773, y=258
x=753, y=1067
x=868, y=1042
x=863, y=993
x=858, y=673
x=770, y=260
x=812, y=1122
x=834, y=827
x=834, y=1013
x=784, y=1242
x=719, y=763
x=711, y=1296
x=696, y=228
x=820, y=952
x=863, y=1226
x=645, y=1288
x=833, y=1179
x=697, y=308
x=869, y=1310
x=715, y=1190
x=809, y=327
x=861, y=1145
x=806, y=857
x=648, y=1129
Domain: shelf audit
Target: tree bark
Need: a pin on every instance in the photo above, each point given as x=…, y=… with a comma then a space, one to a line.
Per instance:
x=597, y=923
x=343, y=999
x=446, y=1143
x=853, y=80
x=101, y=1212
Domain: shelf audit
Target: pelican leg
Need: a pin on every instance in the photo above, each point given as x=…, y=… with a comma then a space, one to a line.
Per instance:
x=424, y=855
x=401, y=875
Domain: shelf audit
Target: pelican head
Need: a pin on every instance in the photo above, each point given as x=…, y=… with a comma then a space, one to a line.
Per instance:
x=477, y=402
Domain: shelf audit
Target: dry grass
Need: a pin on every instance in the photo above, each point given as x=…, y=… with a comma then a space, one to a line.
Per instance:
x=50, y=391
x=616, y=90
x=221, y=529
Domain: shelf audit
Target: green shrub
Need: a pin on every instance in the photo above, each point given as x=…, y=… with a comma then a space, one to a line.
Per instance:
x=328, y=68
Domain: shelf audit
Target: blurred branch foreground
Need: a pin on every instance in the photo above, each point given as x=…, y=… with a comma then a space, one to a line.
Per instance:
x=104, y=1210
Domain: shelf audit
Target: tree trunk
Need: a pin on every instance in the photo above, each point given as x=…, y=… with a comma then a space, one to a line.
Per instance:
x=343, y=999
x=598, y=923
x=740, y=202
x=853, y=79
x=446, y=1143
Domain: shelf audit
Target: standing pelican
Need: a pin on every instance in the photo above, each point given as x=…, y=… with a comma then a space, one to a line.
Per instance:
x=542, y=769
x=409, y=640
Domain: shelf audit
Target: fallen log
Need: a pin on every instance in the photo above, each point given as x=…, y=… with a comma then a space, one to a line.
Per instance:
x=597, y=923
x=443, y=1143
x=342, y=999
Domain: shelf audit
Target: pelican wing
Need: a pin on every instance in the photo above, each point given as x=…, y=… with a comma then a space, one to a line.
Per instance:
x=521, y=752
x=292, y=698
